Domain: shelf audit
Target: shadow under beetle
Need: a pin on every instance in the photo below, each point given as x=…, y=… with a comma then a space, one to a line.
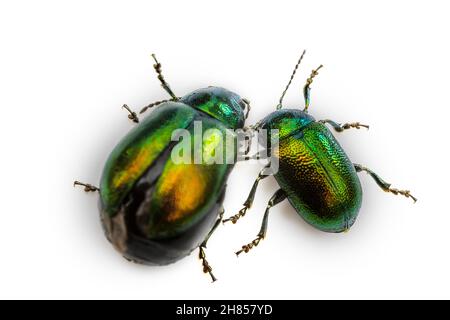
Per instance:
x=155, y=211
x=314, y=174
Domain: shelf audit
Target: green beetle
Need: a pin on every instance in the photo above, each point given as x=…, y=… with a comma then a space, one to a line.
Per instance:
x=154, y=209
x=314, y=173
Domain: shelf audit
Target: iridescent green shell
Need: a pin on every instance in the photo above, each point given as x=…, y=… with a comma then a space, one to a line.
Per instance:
x=185, y=193
x=136, y=152
x=317, y=176
x=219, y=103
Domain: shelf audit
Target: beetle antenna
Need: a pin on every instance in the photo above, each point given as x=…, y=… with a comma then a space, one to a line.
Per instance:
x=164, y=84
x=280, y=103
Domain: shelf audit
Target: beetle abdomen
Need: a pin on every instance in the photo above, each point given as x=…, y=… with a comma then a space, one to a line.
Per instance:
x=319, y=179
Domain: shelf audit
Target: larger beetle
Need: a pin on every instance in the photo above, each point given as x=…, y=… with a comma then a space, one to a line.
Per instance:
x=154, y=209
x=314, y=173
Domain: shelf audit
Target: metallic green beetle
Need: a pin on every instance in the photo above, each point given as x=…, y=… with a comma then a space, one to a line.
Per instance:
x=314, y=173
x=156, y=210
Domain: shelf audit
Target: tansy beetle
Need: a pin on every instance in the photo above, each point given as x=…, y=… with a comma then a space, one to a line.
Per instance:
x=314, y=173
x=155, y=210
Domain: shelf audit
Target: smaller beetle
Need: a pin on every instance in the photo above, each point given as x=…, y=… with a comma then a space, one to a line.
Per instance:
x=314, y=172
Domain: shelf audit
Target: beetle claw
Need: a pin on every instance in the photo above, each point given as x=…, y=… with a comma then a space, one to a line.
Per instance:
x=87, y=187
x=206, y=267
x=132, y=115
x=236, y=217
x=405, y=193
x=246, y=248
x=355, y=125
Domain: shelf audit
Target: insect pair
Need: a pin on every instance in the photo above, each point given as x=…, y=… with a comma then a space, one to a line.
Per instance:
x=156, y=211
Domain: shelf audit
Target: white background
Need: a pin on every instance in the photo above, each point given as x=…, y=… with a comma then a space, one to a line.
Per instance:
x=67, y=67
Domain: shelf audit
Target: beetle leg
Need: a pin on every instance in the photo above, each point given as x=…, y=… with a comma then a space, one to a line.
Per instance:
x=87, y=187
x=154, y=104
x=245, y=137
x=164, y=84
x=248, y=145
x=341, y=127
x=202, y=255
x=263, y=154
x=383, y=184
x=307, y=88
x=257, y=156
x=279, y=196
x=157, y=66
x=248, y=203
x=247, y=104
x=132, y=115
x=248, y=136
